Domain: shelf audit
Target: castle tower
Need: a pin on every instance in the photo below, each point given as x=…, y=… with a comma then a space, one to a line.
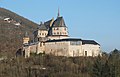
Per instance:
x=42, y=32
x=26, y=38
x=58, y=29
x=40, y=37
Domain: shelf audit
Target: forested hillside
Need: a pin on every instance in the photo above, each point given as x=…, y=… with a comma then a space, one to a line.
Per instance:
x=12, y=29
x=55, y=66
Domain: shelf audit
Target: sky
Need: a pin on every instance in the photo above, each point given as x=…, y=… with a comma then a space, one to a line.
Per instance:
x=97, y=20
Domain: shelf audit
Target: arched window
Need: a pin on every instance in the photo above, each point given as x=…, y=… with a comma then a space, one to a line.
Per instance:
x=85, y=53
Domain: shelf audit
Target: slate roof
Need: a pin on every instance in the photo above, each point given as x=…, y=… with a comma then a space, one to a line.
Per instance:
x=67, y=39
x=75, y=39
x=89, y=42
x=47, y=24
x=42, y=27
x=59, y=22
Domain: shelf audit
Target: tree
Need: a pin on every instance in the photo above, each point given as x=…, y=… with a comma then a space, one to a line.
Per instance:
x=97, y=70
x=114, y=63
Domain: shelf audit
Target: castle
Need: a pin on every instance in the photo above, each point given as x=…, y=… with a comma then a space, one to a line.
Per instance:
x=52, y=37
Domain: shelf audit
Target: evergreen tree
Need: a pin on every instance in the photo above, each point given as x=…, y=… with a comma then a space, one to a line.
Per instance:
x=106, y=70
x=97, y=68
x=114, y=63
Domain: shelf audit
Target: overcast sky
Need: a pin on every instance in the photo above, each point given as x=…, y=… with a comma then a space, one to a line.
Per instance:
x=87, y=19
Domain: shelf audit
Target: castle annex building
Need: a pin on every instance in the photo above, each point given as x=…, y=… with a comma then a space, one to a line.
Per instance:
x=52, y=37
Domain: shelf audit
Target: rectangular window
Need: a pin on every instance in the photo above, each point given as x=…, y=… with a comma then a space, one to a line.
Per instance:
x=60, y=33
x=65, y=29
x=75, y=43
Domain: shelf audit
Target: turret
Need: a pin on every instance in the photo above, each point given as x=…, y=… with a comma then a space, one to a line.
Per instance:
x=26, y=39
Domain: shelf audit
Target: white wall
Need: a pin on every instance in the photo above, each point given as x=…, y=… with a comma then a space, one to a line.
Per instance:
x=65, y=49
x=57, y=48
x=57, y=37
x=40, y=47
x=92, y=50
x=59, y=31
x=26, y=52
x=33, y=48
x=42, y=33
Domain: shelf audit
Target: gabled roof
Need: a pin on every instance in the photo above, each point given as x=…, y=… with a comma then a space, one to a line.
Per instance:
x=59, y=22
x=89, y=42
x=42, y=27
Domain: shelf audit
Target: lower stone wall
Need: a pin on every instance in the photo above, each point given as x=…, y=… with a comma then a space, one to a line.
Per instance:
x=57, y=48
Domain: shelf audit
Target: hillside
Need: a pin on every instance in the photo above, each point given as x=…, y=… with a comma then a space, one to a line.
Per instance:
x=55, y=66
x=12, y=29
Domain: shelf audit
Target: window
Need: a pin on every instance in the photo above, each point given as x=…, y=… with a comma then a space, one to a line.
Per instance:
x=85, y=53
x=75, y=43
x=57, y=32
x=43, y=44
x=38, y=39
x=93, y=53
x=78, y=43
x=65, y=29
x=40, y=44
x=60, y=33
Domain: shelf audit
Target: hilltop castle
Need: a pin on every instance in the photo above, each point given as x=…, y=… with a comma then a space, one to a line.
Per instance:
x=52, y=37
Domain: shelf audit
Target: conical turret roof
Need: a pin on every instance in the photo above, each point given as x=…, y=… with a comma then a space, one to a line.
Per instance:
x=59, y=22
